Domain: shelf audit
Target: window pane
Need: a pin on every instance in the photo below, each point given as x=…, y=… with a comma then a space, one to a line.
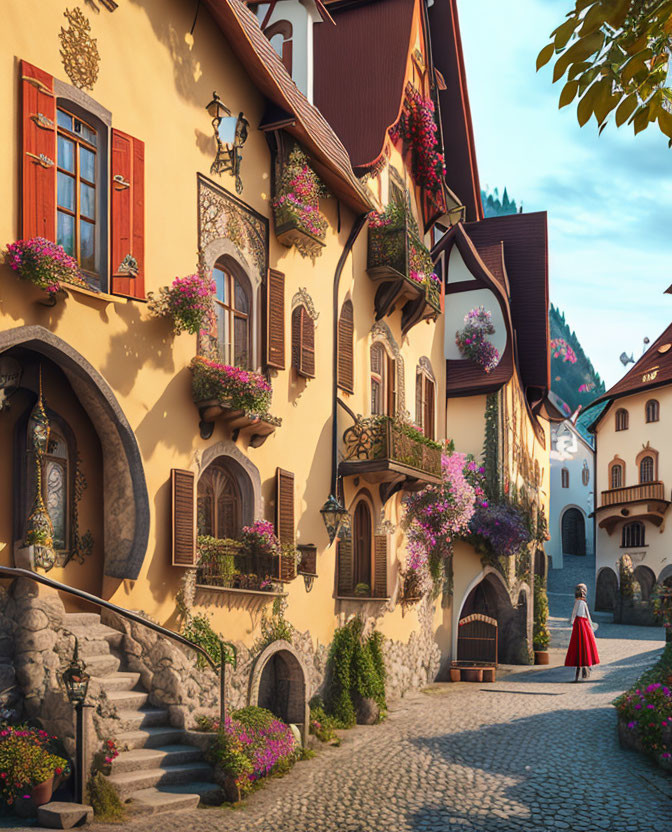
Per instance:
x=87, y=246
x=242, y=304
x=87, y=200
x=224, y=334
x=66, y=154
x=65, y=234
x=376, y=397
x=204, y=514
x=66, y=191
x=87, y=164
x=88, y=134
x=240, y=342
x=57, y=446
x=56, y=500
x=220, y=284
x=64, y=120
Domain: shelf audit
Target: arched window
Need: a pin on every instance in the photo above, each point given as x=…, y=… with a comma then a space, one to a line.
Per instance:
x=280, y=36
x=622, y=419
x=56, y=494
x=652, y=411
x=564, y=476
x=219, y=502
x=346, y=370
x=573, y=532
x=585, y=473
x=633, y=535
x=424, y=401
x=646, y=469
x=616, y=475
x=233, y=306
x=362, y=536
x=303, y=342
x=383, y=375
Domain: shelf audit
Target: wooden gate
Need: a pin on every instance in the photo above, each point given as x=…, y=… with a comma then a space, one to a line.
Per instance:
x=477, y=640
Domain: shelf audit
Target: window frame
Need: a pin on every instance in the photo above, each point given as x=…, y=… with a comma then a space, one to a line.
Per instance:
x=622, y=419
x=299, y=330
x=652, y=408
x=205, y=481
x=425, y=402
x=575, y=516
x=628, y=538
x=358, y=564
x=385, y=380
x=650, y=463
x=229, y=310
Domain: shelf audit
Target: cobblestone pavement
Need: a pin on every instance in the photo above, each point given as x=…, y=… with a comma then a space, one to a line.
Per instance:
x=531, y=752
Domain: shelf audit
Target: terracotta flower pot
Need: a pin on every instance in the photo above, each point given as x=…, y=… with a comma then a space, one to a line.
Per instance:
x=488, y=674
x=542, y=657
x=455, y=674
x=472, y=674
x=42, y=792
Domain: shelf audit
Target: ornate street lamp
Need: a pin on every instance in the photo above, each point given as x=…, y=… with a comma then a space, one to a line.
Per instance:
x=230, y=134
x=333, y=514
x=76, y=683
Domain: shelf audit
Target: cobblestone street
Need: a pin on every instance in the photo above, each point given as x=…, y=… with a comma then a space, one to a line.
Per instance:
x=531, y=752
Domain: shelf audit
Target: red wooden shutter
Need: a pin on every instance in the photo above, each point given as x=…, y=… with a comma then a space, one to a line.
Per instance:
x=380, y=566
x=284, y=521
x=183, y=492
x=275, y=320
x=346, y=372
x=38, y=153
x=345, y=561
x=128, y=215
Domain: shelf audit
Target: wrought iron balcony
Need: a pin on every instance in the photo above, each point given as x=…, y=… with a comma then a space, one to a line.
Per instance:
x=399, y=261
x=632, y=494
x=227, y=564
x=389, y=449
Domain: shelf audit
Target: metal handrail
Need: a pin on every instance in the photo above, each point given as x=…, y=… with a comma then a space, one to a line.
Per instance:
x=16, y=572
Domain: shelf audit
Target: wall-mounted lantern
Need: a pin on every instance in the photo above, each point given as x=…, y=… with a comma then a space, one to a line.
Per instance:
x=333, y=514
x=230, y=134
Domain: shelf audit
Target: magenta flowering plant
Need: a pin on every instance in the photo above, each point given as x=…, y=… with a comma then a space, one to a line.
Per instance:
x=435, y=517
x=472, y=340
x=298, y=196
x=44, y=263
x=647, y=711
x=499, y=529
x=187, y=301
x=241, y=389
x=261, y=538
x=561, y=349
x=27, y=759
x=418, y=129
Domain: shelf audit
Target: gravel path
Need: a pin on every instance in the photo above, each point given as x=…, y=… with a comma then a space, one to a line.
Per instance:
x=531, y=752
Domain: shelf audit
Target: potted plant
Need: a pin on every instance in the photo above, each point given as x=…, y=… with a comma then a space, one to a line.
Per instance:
x=187, y=302
x=363, y=590
x=541, y=637
x=44, y=264
x=28, y=767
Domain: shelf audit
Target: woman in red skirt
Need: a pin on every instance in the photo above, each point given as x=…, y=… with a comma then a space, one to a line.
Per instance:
x=582, y=653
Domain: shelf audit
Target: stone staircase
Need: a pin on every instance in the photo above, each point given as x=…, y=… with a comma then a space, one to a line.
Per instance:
x=157, y=772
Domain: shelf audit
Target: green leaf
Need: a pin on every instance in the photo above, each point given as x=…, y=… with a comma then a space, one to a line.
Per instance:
x=626, y=109
x=568, y=93
x=545, y=55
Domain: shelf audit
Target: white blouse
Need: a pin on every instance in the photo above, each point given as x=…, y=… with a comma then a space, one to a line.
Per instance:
x=581, y=611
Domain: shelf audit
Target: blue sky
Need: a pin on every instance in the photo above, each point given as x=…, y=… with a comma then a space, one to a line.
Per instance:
x=608, y=197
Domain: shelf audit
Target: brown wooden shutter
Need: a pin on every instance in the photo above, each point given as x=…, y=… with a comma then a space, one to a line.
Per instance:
x=307, y=344
x=284, y=521
x=419, y=400
x=183, y=491
x=346, y=371
x=275, y=320
x=345, y=562
x=296, y=338
x=380, y=566
x=428, y=416
x=38, y=153
x=391, y=386
x=128, y=215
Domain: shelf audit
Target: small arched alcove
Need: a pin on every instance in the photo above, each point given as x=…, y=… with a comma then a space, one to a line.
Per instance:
x=606, y=590
x=279, y=683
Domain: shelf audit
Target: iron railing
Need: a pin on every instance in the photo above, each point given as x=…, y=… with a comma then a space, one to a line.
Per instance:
x=632, y=493
x=377, y=437
x=225, y=646
x=229, y=565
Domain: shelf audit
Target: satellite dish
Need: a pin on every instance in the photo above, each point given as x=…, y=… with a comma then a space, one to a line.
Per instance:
x=626, y=359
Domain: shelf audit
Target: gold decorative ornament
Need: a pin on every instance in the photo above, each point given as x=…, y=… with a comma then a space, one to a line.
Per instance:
x=39, y=528
x=79, y=51
x=650, y=375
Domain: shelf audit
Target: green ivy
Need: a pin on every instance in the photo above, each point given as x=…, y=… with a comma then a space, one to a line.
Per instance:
x=197, y=628
x=102, y=797
x=491, y=448
x=541, y=637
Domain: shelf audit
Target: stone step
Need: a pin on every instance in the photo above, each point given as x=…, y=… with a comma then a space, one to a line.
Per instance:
x=146, y=718
x=128, y=700
x=115, y=681
x=90, y=647
x=101, y=665
x=81, y=619
x=96, y=633
x=141, y=759
x=128, y=782
x=152, y=737
x=176, y=798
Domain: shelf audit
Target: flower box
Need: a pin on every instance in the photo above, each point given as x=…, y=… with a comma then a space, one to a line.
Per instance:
x=296, y=205
x=290, y=231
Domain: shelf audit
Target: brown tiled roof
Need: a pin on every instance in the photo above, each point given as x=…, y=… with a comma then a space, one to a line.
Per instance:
x=654, y=369
x=458, y=134
x=360, y=65
x=265, y=69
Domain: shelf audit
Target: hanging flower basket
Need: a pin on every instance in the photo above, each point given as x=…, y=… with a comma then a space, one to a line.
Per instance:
x=44, y=264
x=187, y=302
x=296, y=206
x=472, y=341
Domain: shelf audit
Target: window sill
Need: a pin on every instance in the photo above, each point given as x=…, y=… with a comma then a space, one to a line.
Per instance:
x=361, y=598
x=68, y=287
x=237, y=591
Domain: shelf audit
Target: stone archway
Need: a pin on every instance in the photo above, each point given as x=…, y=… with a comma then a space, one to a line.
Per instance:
x=125, y=498
x=646, y=579
x=606, y=590
x=279, y=683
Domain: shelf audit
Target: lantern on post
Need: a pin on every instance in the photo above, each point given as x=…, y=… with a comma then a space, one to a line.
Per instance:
x=76, y=683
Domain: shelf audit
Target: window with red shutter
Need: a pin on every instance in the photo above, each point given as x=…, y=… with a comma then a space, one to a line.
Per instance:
x=346, y=331
x=183, y=494
x=275, y=320
x=128, y=215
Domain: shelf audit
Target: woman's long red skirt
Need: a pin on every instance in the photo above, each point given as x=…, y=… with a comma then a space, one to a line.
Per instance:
x=582, y=650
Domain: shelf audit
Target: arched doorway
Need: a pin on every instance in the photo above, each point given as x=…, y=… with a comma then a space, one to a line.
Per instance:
x=646, y=579
x=573, y=532
x=606, y=590
x=279, y=683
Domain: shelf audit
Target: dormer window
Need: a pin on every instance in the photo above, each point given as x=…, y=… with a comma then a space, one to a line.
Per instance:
x=280, y=36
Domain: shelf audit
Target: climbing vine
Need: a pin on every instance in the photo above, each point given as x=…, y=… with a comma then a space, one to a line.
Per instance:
x=491, y=447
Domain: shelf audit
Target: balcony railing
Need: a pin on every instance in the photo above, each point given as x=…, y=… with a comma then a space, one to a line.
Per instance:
x=379, y=438
x=633, y=493
x=227, y=564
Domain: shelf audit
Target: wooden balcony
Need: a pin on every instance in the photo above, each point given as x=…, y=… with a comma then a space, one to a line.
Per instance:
x=633, y=494
x=385, y=450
